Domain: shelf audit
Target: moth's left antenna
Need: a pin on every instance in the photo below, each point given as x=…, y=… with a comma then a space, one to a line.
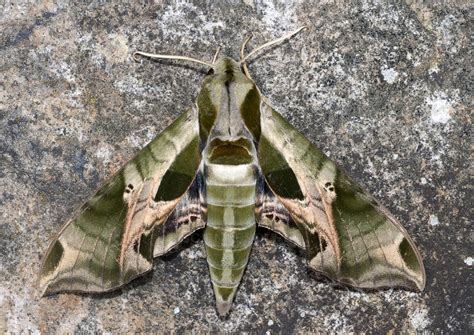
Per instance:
x=158, y=56
x=242, y=55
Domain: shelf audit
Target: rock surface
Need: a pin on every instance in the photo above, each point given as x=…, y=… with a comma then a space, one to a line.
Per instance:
x=385, y=90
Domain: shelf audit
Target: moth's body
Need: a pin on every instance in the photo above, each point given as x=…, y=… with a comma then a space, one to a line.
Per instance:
x=228, y=164
x=230, y=170
x=230, y=227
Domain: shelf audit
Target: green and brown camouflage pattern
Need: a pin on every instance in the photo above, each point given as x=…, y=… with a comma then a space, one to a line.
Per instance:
x=227, y=164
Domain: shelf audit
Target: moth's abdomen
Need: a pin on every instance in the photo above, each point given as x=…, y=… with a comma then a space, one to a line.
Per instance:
x=230, y=228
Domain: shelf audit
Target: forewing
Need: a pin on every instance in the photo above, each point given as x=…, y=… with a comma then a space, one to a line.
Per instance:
x=112, y=238
x=347, y=235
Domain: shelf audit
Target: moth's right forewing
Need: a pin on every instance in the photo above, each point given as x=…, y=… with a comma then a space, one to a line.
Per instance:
x=112, y=238
x=348, y=236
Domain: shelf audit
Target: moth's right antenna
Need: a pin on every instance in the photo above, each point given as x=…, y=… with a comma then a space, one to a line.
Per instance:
x=216, y=54
x=275, y=41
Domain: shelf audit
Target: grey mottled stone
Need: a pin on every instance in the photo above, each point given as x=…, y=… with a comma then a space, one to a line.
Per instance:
x=385, y=89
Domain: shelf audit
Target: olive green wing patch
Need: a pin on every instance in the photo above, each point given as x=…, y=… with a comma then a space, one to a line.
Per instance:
x=111, y=240
x=348, y=237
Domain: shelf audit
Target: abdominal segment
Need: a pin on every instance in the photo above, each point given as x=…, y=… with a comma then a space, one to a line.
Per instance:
x=230, y=228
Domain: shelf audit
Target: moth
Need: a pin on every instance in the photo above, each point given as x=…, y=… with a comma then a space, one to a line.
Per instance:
x=228, y=164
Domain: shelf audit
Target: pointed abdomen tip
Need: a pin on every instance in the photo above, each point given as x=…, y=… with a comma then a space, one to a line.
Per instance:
x=223, y=308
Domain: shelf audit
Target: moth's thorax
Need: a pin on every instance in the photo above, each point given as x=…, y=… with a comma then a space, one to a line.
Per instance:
x=229, y=105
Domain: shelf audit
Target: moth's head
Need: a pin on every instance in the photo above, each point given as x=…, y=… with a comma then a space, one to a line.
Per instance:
x=227, y=68
x=227, y=89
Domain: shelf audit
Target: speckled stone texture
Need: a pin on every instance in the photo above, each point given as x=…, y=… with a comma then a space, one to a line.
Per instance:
x=384, y=89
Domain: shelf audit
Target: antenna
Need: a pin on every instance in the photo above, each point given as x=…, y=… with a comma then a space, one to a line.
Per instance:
x=158, y=56
x=275, y=41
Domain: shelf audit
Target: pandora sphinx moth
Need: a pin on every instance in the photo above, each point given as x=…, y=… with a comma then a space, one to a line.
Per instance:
x=228, y=164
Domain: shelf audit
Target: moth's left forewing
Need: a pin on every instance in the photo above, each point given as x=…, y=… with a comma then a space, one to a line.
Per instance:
x=348, y=236
x=140, y=212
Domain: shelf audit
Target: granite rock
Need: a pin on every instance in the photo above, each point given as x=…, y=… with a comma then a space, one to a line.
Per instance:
x=384, y=88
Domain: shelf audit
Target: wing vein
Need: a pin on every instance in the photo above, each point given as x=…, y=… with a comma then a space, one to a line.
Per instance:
x=372, y=263
x=390, y=278
x=108, y=247
x=89, y=267
x=79, y=252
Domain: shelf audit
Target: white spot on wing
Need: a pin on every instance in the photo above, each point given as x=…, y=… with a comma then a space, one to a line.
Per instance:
x=469, y=261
